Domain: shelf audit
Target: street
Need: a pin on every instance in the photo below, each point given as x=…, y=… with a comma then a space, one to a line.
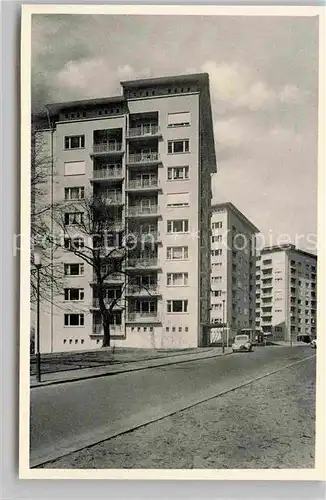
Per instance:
x=71, y=416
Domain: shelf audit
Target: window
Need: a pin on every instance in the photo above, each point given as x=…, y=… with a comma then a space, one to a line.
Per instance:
x=217, y=225
x=178, y=226
x=181, y=146
x=74, y=269
x=216, y=279
x=74, y=193
x=73, y=243
x=74, y=167
x=74, y=293
x=179, y=119
x=178, y=200
x=74, y=320
x=178, y=173
x=177, y=253
x=177, y=306
x=217, y=293
x=177, y=279
x=216, y=252
x=72, y=218
x=216, y=238
x=74, y=142
x=111, y=294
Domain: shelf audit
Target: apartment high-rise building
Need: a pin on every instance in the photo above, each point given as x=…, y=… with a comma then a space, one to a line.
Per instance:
x=233, y=269
x=286, y=292
x=150, y=153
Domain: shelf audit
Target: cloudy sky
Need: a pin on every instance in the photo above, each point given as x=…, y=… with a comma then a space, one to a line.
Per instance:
x=264, y=84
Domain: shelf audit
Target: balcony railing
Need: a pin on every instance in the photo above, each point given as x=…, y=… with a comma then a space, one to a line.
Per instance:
x=143, y=157
x=112, y=200
x=113, y=277
x=114, y=330
x=142, y=290
x=143, y=317
x=142, y=184
x=142, y=263
x=140, y=210
x=107, y=147
x=144, y=237
x=151, y=129
x=107, y=173
x=96, y=303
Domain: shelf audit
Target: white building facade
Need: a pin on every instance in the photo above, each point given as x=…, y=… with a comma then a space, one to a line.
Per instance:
x=150, y=152
x=233, y=264
x=286, y=293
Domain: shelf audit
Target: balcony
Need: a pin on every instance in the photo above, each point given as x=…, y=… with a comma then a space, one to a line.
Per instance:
x=143, y=132
x=143, y=237
x=110, y=148
x=135, y=159
x=143, y=317
x=112, y=278
x=142, y=263
x=143, y=185
x=112, y=200
x=142, y=290
x=143, y=211
x=110, y=252
x=107, y=302
x=115, y=331
x=265, y=285
x=107, y=174
x=267, y=320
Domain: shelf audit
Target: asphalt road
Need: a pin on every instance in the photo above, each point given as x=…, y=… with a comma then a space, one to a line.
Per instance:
x=67, y=417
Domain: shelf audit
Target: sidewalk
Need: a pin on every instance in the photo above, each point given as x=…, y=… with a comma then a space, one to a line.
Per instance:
x=100, y=371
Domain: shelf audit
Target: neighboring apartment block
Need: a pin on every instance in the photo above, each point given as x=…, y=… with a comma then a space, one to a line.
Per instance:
x=233, y=264
x=286, y=292
x=150, y=152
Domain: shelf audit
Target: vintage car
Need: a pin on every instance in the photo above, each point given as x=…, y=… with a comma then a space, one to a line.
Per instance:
x=313, y=344
x=242, y=343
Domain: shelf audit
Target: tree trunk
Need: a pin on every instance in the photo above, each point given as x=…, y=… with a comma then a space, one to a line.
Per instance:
x=105, y=321
x=106, y=331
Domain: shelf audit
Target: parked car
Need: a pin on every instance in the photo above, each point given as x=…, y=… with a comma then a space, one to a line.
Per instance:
x=242, y=343
x=313, y=344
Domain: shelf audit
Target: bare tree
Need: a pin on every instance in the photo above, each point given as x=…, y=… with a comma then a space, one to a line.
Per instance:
x=89, y=232
x=42, y=176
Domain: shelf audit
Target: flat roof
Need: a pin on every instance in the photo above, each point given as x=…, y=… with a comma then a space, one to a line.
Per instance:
x=229, y=206
x=57, y=106
x=287, y=247
x=201, y=78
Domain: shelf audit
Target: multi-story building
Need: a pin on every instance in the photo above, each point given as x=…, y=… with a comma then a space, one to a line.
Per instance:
x=286, y=292
x=233, y=264
x=150, y=152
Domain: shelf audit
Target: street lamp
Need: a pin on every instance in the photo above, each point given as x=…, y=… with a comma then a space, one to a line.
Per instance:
x=38, y=265
x=223, y=312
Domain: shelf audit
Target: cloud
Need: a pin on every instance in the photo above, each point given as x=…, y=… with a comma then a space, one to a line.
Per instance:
x=233, y=133
x=237, y=87
x=95, y=77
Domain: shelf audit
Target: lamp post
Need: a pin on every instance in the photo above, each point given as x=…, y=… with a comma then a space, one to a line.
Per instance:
x=223, y=311
x=38, y=265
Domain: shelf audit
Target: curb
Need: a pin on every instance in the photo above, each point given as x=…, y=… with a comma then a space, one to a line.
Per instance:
x=117, y=372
